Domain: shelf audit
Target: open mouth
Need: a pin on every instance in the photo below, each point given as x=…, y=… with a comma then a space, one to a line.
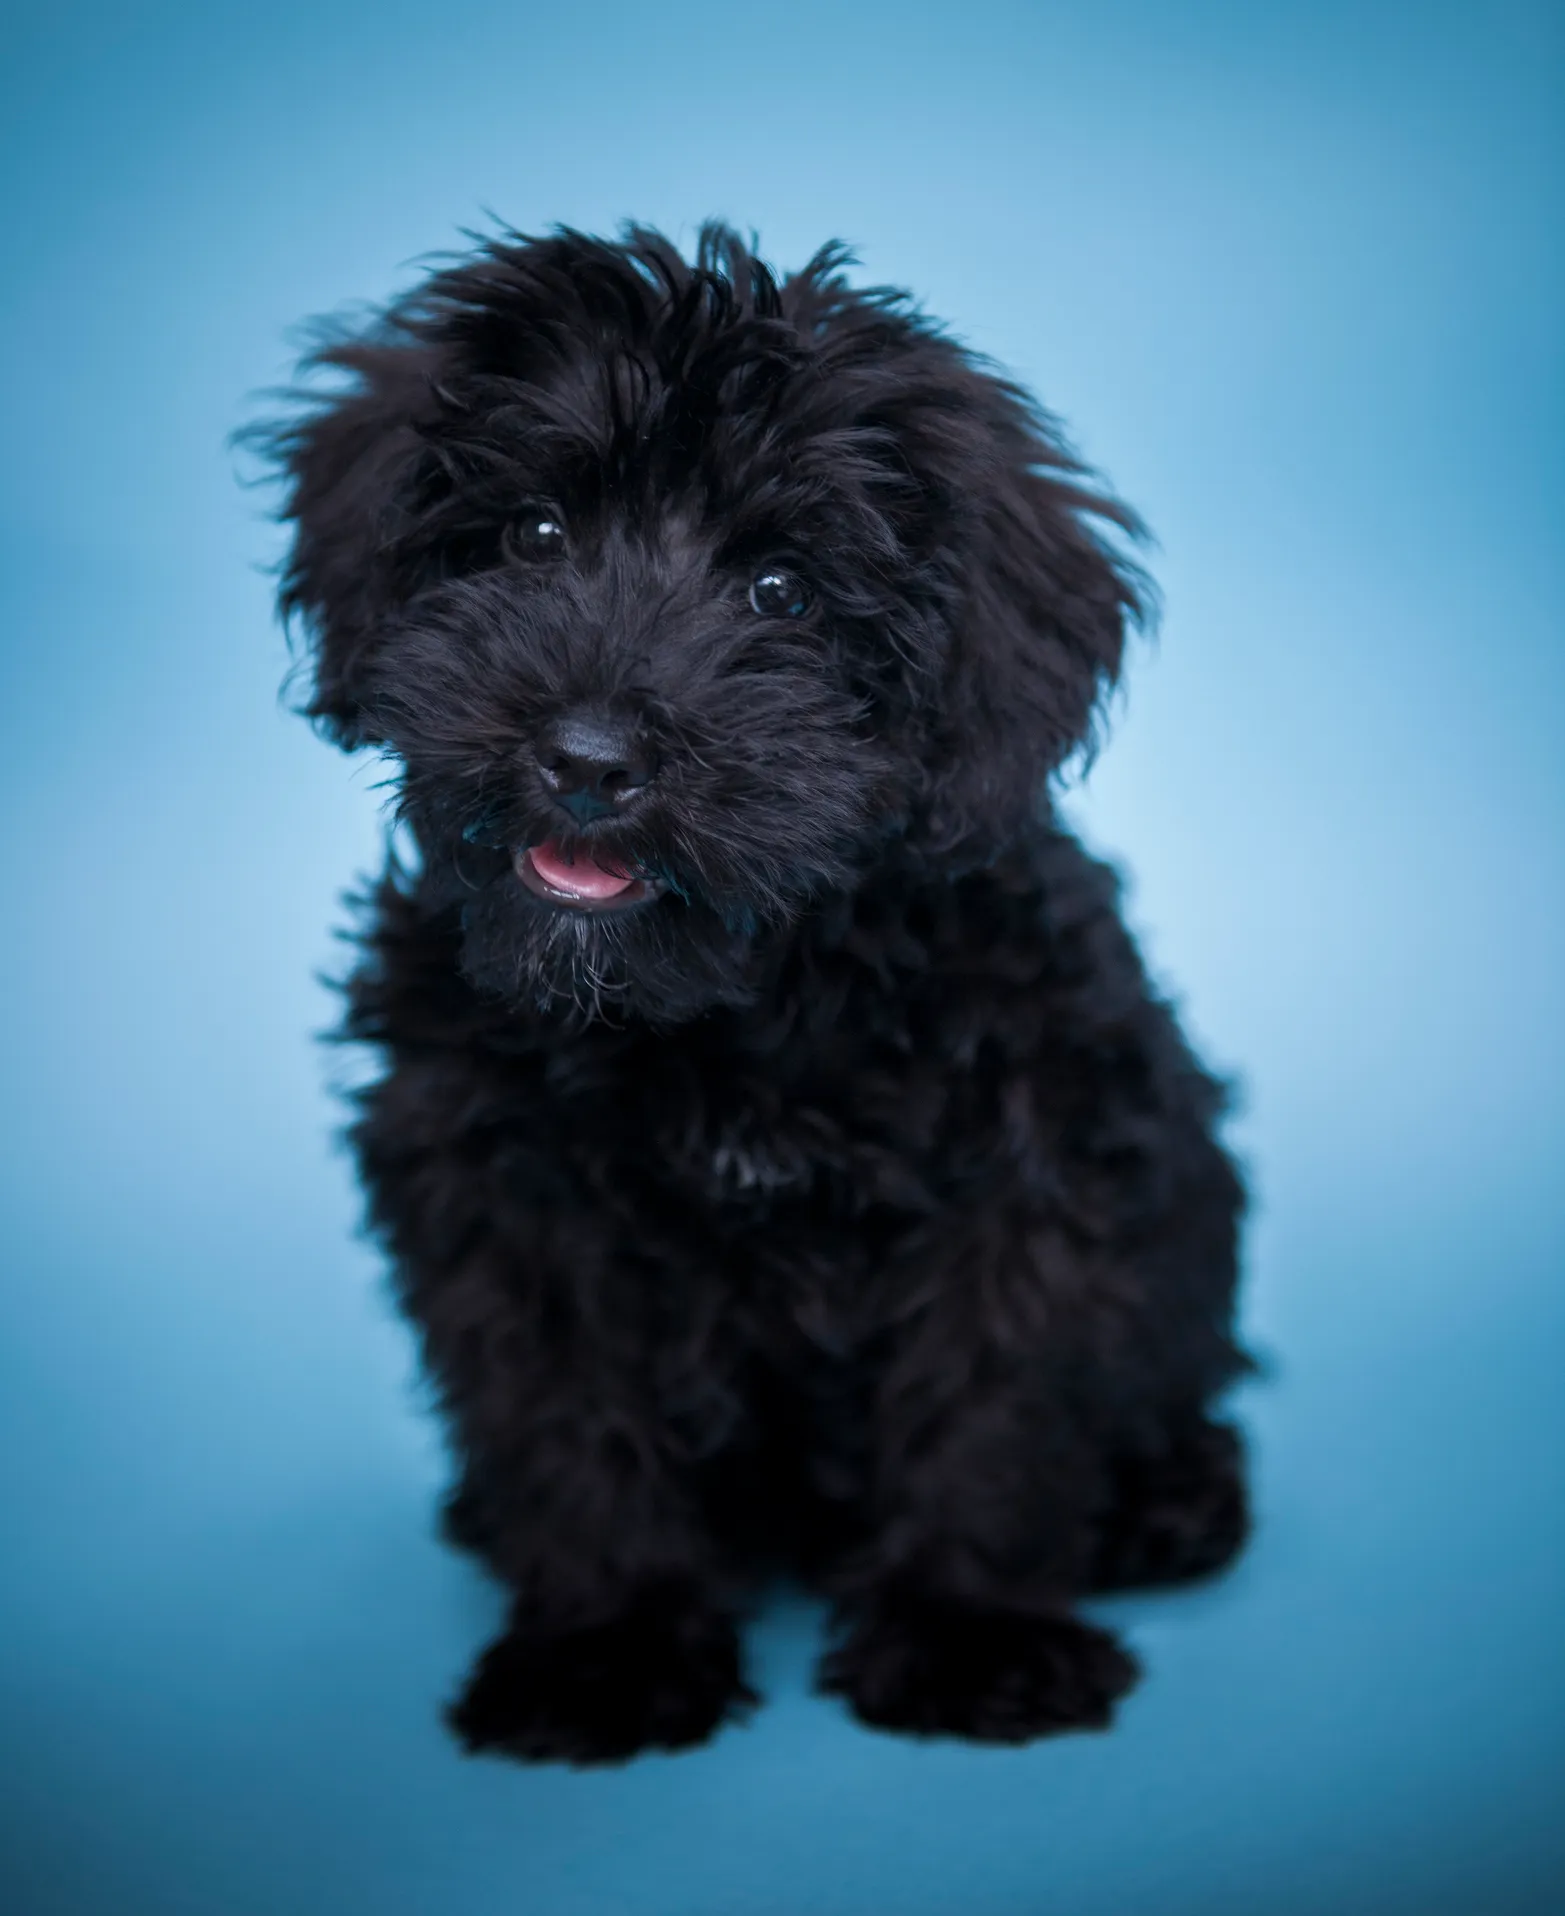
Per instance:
x=581, y=879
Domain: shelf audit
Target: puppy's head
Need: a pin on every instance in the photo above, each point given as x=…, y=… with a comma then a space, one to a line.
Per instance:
x=684, y=596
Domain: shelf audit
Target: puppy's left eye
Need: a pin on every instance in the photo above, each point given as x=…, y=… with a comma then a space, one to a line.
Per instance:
x=536, y=535
x=777, y=594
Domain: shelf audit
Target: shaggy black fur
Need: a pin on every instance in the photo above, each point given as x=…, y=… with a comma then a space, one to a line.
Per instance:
x=806, y=1173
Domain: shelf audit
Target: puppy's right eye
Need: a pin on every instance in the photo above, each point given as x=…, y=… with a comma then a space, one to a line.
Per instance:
x=776, y=594
x=537, y=534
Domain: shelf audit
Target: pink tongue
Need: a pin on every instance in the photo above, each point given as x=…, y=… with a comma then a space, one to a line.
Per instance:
x=578, y=875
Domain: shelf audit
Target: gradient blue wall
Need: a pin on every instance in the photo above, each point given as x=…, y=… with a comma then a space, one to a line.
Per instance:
x=1294, y=273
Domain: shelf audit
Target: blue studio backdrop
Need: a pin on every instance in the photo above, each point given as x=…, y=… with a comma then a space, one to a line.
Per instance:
x=1294, y=276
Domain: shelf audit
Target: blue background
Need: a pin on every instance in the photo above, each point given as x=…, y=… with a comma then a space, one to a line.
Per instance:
x=1295, y=275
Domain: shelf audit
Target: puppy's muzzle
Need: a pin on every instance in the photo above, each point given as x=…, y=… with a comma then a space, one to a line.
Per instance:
x=593, y=766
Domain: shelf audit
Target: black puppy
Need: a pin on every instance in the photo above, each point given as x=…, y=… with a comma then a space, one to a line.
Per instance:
x=782, y=1154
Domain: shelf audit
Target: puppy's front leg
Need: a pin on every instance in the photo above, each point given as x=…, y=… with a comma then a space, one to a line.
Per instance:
x=661, y=1669
x=570, y=1490
x=954, y=1616
x=619, y=1638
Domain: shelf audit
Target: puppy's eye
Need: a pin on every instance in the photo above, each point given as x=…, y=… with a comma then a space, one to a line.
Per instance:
x=538, y=534
x=777, y=594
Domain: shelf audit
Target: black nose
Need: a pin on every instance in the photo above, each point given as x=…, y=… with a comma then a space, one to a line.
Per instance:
x=592, y=765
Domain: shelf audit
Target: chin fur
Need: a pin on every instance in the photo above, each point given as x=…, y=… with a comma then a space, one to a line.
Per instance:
x=668, y=960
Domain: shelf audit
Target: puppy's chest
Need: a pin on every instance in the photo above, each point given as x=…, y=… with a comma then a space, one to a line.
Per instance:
x=743, y=1159
x=824, y=1149
x=741, y=1163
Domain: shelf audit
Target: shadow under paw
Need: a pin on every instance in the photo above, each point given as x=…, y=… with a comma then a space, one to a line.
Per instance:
x=995, y=1677
x=663, y=1674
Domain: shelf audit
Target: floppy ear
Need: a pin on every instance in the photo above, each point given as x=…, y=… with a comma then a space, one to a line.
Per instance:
x=349, y=464
x=1039, y=631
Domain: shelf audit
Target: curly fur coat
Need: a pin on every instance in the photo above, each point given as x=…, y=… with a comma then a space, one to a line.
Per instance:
x=783, y=1158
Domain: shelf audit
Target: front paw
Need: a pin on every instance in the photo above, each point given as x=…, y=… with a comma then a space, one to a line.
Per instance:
x=663, y=1674
x=945, y=1670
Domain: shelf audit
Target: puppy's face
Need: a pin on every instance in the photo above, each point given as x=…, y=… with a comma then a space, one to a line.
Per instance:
x=681, y=597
